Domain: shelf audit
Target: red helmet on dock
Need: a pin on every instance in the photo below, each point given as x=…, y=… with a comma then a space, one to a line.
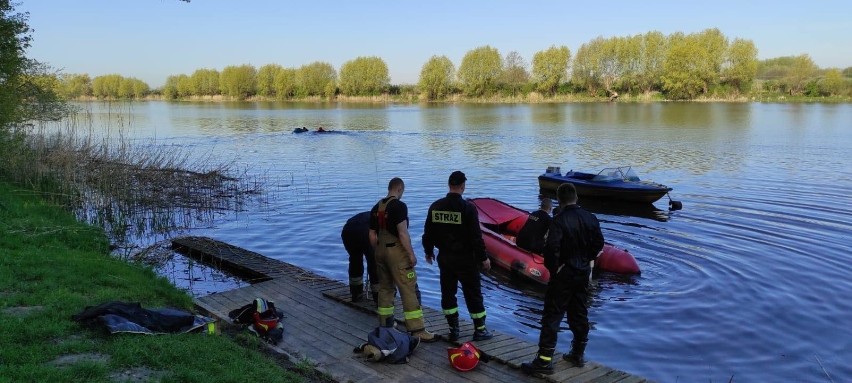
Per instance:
x=463, y=358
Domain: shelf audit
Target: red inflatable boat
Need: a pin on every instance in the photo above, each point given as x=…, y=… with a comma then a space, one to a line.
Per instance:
x=501, y=222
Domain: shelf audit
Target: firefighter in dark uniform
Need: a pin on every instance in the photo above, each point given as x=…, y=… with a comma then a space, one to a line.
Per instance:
x=531, y=236
x=574, y=240
x=452, y=225
x=395, y=261
x=356, y=241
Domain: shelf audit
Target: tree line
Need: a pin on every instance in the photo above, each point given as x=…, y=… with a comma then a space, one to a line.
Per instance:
x=678, y=66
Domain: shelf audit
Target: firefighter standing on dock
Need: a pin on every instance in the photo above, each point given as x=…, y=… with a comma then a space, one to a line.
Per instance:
x=452, y=225
x=395, y=261
x=574, y=240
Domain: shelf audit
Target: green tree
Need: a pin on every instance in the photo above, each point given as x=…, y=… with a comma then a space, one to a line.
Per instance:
x=38, y=86
x=125, y=88
x=185, y=87
x=629, y=57
x=598, y=65
x=515, y=74
x=612, y=62
x=832, y=82
x=285, y=83
x=550, y=68
x=169, y=90
x=712, y=49
x=117, y=86
x=75, y=85
x=238, y=81
x=802, y=69
x=740, y=66
x=847, y=72
x=436, y=78
x=683, y=69
x=775, y=68
x=266, y=79
x=140, y=88
x=107, y=86
x=480, y=70
x=585, y=72
x=14, y=40
x=364, y=76
x=315, y=79
x=651, y=57
x=205, y=82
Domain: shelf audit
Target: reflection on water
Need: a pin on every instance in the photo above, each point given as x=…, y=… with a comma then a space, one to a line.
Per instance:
x=622, y=209
x=748, y=280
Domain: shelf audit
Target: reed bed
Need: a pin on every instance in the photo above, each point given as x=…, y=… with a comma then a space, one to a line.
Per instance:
x=133, y=190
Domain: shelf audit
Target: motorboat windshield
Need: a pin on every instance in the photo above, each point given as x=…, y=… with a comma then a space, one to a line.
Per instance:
x=621, y=173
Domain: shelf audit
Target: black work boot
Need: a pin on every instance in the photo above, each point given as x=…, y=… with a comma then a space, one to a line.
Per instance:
x=482, y=334
x=357, y=292
x=538, y=365
x=575, y=357
x=453, y=322
x=389, y=322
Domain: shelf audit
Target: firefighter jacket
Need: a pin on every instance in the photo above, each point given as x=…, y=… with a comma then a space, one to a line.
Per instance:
x=452, y=225
x=573, y=240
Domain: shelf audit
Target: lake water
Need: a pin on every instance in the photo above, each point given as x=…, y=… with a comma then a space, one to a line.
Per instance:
x=750, y=280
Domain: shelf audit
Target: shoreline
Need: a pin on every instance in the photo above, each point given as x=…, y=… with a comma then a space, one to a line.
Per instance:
x=530, y=99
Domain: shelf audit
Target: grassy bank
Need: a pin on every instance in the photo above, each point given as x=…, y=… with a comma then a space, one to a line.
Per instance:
x=52, y=267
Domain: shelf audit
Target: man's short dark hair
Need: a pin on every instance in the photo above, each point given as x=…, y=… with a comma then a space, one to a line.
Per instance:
x=457, y=178
x=566, y=193
x=394, y=182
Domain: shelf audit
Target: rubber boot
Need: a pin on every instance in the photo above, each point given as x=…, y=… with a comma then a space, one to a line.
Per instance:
x=453, y=322
x=356, y=292
x=542, y=364
x=575, y=357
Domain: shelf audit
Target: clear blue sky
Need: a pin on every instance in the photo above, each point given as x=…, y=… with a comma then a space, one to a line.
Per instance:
x=152, y=39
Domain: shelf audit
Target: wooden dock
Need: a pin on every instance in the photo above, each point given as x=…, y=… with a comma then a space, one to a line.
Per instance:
x=323, y=326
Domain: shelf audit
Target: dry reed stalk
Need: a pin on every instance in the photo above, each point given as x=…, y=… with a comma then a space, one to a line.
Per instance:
x=130, y=190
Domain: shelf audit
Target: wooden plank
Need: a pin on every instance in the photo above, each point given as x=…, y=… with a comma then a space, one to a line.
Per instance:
x=586, y=376
x=566, y=370
x=610, y=377
x=632, y=379
x=508, y=347
x=490, y=347
x=522, y=348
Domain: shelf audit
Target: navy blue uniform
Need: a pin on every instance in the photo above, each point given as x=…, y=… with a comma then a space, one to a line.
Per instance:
x=573, y=240
x=356, y=240
x=531, y=236
x=452, y=225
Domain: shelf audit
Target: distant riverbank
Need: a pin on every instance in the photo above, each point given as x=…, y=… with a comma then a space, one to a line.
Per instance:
x=531, y=98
